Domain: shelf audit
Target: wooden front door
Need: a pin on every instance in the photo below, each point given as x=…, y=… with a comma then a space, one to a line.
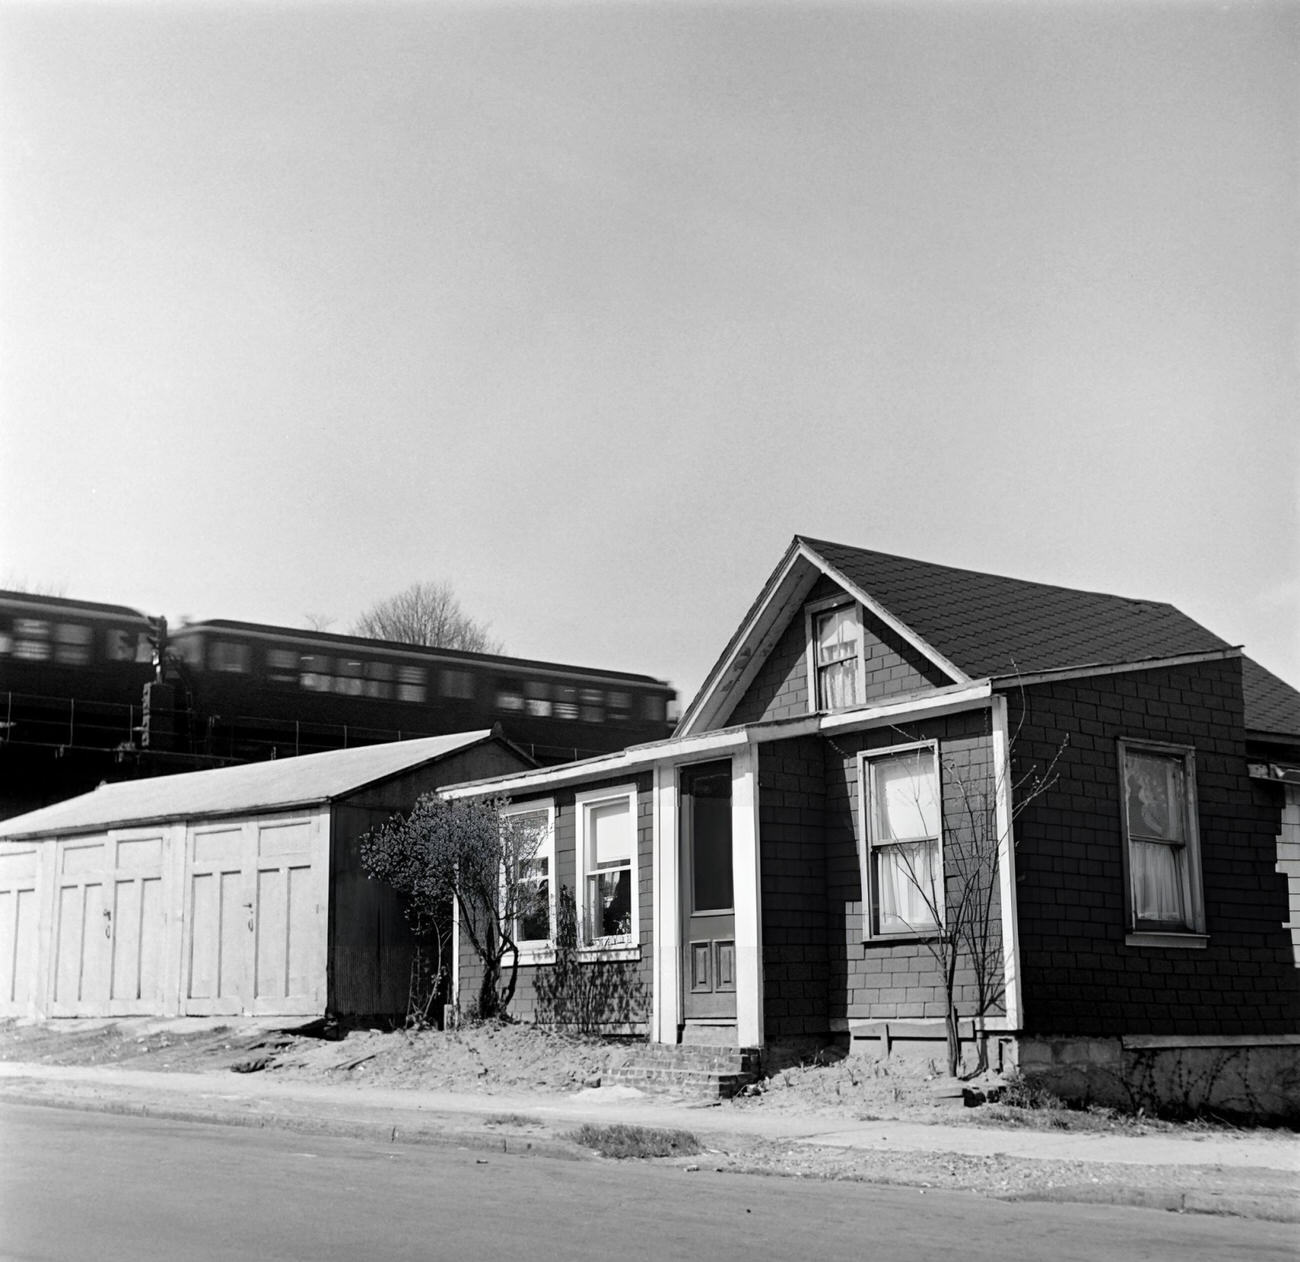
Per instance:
x=708, y=912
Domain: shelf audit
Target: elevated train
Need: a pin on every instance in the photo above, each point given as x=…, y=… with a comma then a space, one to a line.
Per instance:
x=245, y=691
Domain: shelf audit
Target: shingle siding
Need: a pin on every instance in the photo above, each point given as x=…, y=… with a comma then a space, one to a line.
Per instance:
x=819, y=968
x=796, y=965
x=1079, y=976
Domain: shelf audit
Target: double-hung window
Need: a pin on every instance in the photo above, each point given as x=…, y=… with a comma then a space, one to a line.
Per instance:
x=902, y=856
x=835, y=653
x=606, y=842
x=1161, y=845
x=529, y=844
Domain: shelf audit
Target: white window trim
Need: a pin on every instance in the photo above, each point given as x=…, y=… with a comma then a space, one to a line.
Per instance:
x=621, y=947
x=866, y=843
x=539, y=950
x=811, y=613
x=1194, y=935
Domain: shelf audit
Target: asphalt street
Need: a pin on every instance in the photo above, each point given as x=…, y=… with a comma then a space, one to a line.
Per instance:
x=79, y=1185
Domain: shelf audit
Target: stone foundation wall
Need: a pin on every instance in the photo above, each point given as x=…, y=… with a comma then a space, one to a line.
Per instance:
x=1244, y=1078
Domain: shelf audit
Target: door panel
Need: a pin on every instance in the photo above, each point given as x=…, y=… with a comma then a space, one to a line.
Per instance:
x=138, y=922
x=708, y=914
x=218, y=939
x=18, y=943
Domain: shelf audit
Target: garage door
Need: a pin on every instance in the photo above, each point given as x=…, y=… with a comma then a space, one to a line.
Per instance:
x=109, y=926
x=18, y=871
x=255, y=917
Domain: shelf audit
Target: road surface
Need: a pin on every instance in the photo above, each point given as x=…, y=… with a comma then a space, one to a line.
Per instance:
x=80, y=1186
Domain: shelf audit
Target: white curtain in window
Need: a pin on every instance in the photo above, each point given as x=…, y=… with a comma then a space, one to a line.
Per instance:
x=838, y=636
x=907, y=886
x=906, y=796
x=1157, y=876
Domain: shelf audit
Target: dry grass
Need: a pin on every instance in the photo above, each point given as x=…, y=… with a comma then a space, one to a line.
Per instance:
x=623, y=1142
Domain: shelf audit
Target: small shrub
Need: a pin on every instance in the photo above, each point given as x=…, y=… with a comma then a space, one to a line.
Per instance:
x=636, y=1141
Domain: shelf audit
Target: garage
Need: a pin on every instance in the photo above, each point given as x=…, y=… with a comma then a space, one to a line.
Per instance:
x=235, y=891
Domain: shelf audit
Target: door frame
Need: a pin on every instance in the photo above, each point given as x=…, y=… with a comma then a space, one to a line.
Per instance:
x=669, y=923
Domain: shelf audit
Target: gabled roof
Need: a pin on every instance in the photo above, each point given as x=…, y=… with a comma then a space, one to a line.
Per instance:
x=994, y=626
x=252, y=788
x=970, y=625
x=1272, y=705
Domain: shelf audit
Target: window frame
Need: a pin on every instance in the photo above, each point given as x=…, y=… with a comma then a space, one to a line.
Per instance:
x=813, y=612
x=536, y=950
x=869, y=844
x=1143, y=932
x=613, y=946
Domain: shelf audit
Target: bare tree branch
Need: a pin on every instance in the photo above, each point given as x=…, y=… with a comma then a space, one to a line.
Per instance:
x=428, y=614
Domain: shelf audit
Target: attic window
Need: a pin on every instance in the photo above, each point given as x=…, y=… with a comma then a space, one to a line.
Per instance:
x=835, y=654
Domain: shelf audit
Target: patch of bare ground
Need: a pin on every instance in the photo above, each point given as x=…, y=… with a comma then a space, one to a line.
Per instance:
x=493, y=1058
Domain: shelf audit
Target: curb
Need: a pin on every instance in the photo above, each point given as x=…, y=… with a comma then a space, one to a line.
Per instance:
x=1274, y=1209
x=345, y=1128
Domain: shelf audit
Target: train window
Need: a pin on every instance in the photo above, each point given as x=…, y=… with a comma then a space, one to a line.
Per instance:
x=189, y=649
x=593, y=703
x=282, y=666
x=314, y=672
x=6, y=643
x=510, y=696
x=72, y=643
x=229, y=656
x=566, y=702
x=31, y=639
x=379, y=680
x=537, y=699
x=348, y=681
x=620, y=705
x=458, y=684
x=411, y=683
x=655, y=708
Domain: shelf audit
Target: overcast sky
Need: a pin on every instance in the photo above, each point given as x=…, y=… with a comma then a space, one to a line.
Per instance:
x=589, y=308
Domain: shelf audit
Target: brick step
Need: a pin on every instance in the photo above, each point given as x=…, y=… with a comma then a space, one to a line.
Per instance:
x=734, y=1059
x=703, y=1072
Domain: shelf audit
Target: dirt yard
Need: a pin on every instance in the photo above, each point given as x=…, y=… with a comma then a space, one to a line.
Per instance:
x=487, y=1059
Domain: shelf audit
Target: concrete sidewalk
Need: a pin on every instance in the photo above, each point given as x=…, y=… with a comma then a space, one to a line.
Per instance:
x=1252, y=1173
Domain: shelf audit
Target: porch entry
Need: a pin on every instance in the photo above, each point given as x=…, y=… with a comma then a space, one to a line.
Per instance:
x=708, y=902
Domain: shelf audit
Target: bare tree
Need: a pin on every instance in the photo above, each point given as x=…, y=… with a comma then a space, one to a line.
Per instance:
x=468, y=854
x=15, y=584
x=428, y=614
x=319, y=621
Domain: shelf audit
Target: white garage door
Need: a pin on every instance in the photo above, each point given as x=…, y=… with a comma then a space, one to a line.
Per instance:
x=255, y=917
x=109, y=926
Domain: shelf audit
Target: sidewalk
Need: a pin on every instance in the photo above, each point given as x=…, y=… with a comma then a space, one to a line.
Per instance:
x=1252, y=1174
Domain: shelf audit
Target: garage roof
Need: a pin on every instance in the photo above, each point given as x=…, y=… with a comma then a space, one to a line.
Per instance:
x=248, y=789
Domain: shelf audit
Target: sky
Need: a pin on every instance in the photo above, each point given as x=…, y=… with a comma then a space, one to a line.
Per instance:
x=587, y=309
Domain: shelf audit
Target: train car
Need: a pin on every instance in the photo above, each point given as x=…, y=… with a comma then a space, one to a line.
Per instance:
x=244, y=675
x=57, y=648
